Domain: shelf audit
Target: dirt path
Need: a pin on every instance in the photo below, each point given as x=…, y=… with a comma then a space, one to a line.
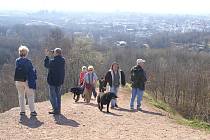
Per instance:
x=85, y=122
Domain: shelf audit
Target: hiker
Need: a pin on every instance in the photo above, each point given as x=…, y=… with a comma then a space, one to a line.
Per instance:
x=55, y=78
x=116, y=78
x=51, y=56
x=80, y=88
x=101, y=85
x=25, y=80
x=90, y=80
x=82, y=74
x=138, y=79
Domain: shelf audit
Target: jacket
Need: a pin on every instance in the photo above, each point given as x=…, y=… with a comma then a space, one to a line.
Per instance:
x=138, y=77
x=31, y=76
x=56, y=70
x=109, y=78
x=81, y=77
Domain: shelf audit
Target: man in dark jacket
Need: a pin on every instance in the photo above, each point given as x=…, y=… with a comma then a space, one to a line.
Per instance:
x=116, y=78
x=138, y=79
x=55, y=78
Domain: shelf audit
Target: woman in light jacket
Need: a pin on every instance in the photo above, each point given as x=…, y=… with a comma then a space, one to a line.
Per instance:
x=25, y=80
x=90, y=80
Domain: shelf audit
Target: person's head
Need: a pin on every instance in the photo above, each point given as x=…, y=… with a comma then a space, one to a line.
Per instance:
x=51, y=53
x=90, y=68
x=102, y=78
x=140, y=62
x=115, y=66
x=23, y=51
x=84, y=68
x=57, y=51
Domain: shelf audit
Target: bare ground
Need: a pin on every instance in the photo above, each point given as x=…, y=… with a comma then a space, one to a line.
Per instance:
x=80, y=121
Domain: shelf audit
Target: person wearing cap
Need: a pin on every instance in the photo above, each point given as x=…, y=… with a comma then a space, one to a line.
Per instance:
x=138, y=79
x=116, y=78
x=89, y=83
x=55, y=78
x=82, y=74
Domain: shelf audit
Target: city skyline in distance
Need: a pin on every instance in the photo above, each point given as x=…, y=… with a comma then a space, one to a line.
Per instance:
x=144, y=6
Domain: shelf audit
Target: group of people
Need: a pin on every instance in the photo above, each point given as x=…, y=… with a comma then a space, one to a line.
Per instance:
x=25, y=80
x=115, y=78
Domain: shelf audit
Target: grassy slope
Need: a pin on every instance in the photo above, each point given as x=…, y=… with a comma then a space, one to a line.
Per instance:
x=195, y=123
x=173, y=114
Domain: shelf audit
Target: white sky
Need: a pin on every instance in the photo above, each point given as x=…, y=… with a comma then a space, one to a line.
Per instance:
x=148, y=6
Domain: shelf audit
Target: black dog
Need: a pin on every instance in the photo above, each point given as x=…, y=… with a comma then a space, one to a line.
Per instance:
x=105, y=99
x=77, y=91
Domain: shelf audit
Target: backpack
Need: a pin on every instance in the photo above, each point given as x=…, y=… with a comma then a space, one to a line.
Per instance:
x=89, y=86
x=20, y=73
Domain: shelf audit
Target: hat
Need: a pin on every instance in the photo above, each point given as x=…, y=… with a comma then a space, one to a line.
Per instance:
x=84, y=67
x=140, y=61
x=90, y=68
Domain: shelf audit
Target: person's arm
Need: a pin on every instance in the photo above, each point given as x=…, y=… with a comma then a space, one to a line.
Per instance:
x=80, y=78
x=31, y=76
x=106, y=79
x=144, y=76
x=47, y=62
x=123, y=78
x=95, y=78
x=58, y=67
x=35, y=74
x=132, y=75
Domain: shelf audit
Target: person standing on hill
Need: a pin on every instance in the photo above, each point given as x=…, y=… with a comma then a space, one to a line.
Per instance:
x=90, y=80
x=55, y=78
x=138, y=79
x=25, y=80
x=115, y=77
x=82, y=75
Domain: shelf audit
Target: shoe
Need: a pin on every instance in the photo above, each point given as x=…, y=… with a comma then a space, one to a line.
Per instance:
x=116, y=105
x=139, y=108
x=55, y=112
x=22, y=113
x=51, y=112
x=33, y=113
x=112, y=107
x=131, y=108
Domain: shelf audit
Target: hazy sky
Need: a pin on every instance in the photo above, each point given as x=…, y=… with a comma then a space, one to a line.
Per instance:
x=151, y=6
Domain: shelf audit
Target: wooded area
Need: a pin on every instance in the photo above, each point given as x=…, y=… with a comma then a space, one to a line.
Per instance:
x=176, y=75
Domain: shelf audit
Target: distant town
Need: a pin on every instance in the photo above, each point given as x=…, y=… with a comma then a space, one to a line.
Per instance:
x=120, y=29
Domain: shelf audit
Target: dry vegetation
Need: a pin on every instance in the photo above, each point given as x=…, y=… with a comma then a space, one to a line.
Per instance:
x=177, y=76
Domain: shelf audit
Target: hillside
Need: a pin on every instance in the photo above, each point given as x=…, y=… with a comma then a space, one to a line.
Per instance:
x=80, y=121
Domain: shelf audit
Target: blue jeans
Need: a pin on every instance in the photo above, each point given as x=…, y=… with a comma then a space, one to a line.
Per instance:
x=114, y=90
x=136, y=92
x=55, y=98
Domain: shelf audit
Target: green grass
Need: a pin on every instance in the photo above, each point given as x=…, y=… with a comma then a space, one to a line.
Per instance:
x=159, y=104
x=173, y=114
x=194, y=123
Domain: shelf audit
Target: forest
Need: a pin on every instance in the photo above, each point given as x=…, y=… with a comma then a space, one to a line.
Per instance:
x=177, y=65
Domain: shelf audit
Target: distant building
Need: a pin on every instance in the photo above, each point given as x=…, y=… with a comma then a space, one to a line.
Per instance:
x=121, y=44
